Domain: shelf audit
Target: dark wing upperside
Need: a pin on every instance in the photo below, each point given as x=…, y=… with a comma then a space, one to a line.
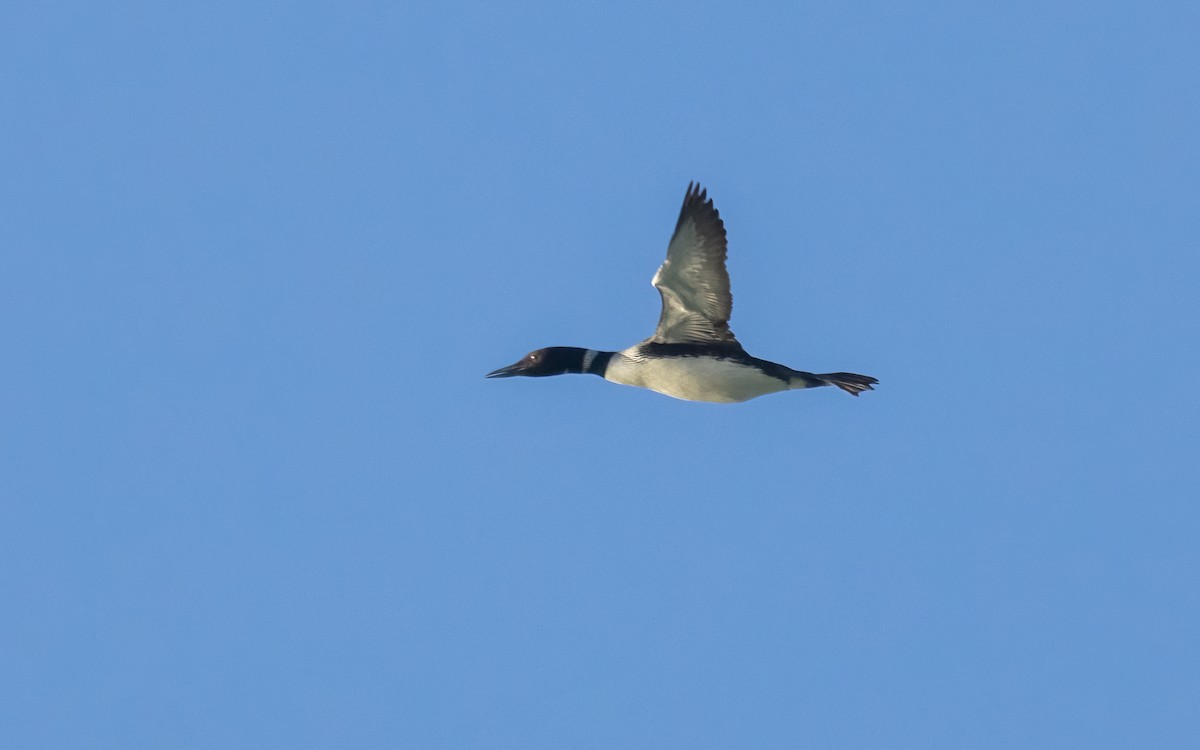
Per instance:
x=693, y=282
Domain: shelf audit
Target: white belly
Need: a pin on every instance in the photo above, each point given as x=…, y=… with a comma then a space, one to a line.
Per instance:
x=694, y=378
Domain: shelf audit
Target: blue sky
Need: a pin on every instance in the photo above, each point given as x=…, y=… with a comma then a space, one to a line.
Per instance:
x=257, y=493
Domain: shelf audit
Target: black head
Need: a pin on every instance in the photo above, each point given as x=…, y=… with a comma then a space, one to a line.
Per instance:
x=553, y=360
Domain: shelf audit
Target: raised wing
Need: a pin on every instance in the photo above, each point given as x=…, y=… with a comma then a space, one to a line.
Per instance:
x=693, y=282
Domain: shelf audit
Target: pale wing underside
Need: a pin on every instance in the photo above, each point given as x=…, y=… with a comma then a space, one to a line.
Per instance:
x=693, y=282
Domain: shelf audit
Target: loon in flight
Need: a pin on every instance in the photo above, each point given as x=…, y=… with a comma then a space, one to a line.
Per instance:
x=692, y=355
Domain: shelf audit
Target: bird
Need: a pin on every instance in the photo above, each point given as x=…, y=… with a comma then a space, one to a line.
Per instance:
x=693, y=355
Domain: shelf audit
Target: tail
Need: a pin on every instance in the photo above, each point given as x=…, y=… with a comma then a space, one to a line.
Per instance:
x=847, y=381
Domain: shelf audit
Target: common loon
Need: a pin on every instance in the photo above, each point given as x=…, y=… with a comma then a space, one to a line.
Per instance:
x=692, y=355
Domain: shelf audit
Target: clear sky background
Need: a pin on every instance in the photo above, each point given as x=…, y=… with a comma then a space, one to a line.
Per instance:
x=255, y=260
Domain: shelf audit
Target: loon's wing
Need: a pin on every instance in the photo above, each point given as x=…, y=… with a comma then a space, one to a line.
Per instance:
x=693, y=282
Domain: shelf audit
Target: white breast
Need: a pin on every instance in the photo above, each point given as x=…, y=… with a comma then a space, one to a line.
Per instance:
x=693, y=378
